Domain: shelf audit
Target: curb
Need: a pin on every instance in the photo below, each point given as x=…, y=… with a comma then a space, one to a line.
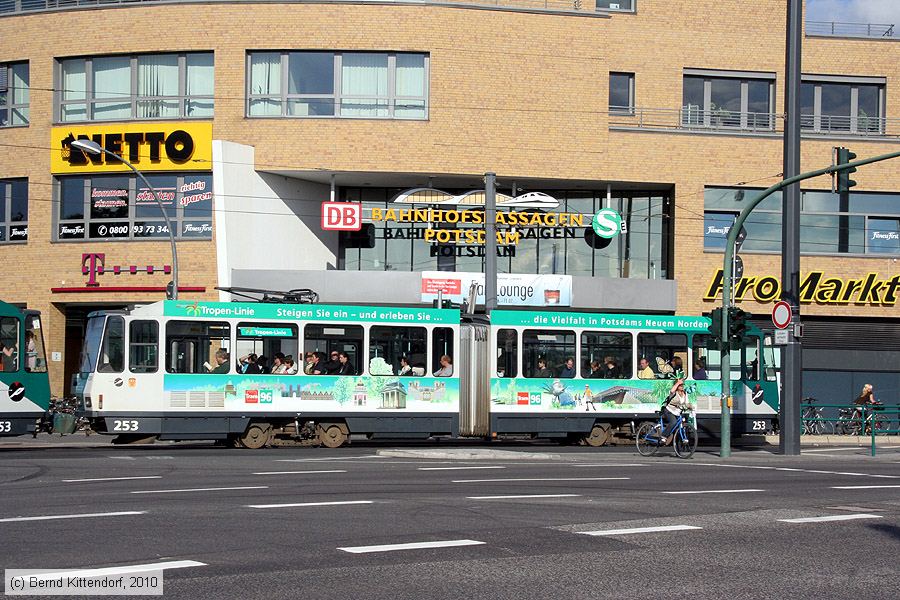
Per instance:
x=862, y=441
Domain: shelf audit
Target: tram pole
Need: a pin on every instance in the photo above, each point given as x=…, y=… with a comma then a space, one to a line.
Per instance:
x=92, y=147
x=490, y=242
x=728, y=263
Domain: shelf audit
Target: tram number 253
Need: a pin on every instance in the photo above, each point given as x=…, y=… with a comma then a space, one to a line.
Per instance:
x=121, y=425
x=5, y=426
x=759, y=426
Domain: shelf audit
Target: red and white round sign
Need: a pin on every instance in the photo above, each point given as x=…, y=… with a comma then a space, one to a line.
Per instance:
x=781, y=314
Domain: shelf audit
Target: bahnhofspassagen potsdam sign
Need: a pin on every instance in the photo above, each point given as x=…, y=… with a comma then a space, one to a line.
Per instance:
x=815, y=287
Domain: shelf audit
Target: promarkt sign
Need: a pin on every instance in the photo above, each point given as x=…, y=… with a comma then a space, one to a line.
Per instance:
x=815, y=288
x=149, y=146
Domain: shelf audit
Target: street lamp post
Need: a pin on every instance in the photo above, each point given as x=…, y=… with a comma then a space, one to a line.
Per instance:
x=92, y=147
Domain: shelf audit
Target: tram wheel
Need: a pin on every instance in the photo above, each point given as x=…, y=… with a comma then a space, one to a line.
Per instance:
x=598, y=436
x=331, y=435
x=256, y=436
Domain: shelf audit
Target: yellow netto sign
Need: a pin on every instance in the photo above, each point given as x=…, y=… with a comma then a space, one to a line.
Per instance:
x=151, y=146
x=513, y=226
x=814, y=288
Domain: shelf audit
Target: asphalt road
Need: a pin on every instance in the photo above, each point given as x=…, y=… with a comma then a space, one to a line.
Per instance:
x=318, y=523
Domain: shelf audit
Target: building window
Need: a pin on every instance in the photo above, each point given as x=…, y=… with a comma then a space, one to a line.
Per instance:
x=830, y=105
x=108, y=207
x=370, y=85
x=864, y=223
x=621, y=93
x=14, y=94
x=723, y=100
x=620, y=5
x=145, y=86
x=13, y=210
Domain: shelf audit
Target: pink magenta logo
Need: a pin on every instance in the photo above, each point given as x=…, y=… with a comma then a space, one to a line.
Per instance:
x=341, y=216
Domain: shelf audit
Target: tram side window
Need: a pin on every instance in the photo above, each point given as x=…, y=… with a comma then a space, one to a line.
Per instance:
x=329, y=340
x=198, y=347
x=545, y=352
x=9, y=344
x=112, y=351
x=612, y=353
x=441, y=345
x=750, y=358
x=666, y=352
x=707, y=363
x=507, y=352
x=143, y=346
x=35, y=354
x=260, y=343
x=769, y=355
x=388, y=345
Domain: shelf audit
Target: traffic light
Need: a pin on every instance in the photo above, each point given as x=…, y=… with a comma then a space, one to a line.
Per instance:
x=737, y=323
x=715, y=328
x=844, y=183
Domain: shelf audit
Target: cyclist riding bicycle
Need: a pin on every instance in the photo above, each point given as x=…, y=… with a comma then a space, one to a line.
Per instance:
x=866, y=396
x=676, y=402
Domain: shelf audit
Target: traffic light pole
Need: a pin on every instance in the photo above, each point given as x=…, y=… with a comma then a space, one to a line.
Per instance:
x=725, y=428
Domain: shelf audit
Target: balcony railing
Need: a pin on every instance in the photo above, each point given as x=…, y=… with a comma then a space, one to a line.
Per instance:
x=860, y=30
x=583, y=7
x=693, y=118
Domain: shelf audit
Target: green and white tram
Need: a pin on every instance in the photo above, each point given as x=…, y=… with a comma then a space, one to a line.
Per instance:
x=24, y=383
x=150, y=372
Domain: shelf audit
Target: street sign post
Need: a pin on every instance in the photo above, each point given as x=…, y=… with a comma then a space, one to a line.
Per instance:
x=782, y=313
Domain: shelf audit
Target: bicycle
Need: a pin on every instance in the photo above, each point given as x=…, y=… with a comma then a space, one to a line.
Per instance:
x=812, y=419
x=649, y=436
x=850, y=421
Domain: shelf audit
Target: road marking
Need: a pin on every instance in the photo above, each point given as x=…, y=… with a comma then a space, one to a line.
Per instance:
x=310, y=504
x=410, y=546
x=841, y=449
x=81, y=516
x=524, y=496
x=111, y=479
x=215, y=489
x=110, y=571
x=456, y=468
x=715, y=491
x=800, y=470
x=640, y=530
x=612, y=465
x=831, y=518
x=863, y=487
x=296, y=472
x=544, y=479
x=325, y=459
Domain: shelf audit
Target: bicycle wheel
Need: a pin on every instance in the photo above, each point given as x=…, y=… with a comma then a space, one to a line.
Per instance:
x=882, y=425
x=647, y=439
x=685, y=441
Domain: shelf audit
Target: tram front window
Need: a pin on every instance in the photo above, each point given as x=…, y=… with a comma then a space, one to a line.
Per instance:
x=35, y=355
x=93, y=336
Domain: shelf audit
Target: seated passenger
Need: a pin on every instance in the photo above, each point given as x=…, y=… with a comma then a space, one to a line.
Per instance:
x=319, y=364
x=542, y=370
x=700, y=369
x=567, y=371
x=308, y=365
x=278, y=366
x=346, y=365
x=222, y=365
x=290, y=367
x=611, y=370
x=595, y=373
x=446, y=369
x=644, y=370
x=248, y=365
x=405, y=368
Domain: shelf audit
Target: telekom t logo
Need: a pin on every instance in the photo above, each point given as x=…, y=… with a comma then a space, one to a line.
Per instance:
x=342, y=216
x=92, y=265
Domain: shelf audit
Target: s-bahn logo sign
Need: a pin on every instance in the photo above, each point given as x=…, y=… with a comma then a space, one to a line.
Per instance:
x=815, y=287
x=149, y=146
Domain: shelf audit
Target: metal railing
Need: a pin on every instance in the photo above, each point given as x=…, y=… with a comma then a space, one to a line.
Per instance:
x=850, y=420
x=696, y=119
x=860, y=30
x=587, y=7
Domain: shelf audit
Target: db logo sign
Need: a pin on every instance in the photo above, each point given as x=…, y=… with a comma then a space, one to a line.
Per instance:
x=342, y=216
x=251, y=397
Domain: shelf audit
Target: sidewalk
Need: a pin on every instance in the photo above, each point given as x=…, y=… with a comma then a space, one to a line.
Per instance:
x=863, y=441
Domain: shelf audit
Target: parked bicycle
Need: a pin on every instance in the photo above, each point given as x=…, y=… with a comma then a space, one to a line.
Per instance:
x=850, y=420
x=813, y=420
x=649, y=438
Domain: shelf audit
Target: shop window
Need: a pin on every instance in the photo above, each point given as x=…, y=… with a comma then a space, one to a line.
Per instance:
x=507, y=352
x=707, y=363
x=337, y=84
x=35, y=352
x=388, y=345
x=720, y=100
x=883, y=236
x=9, y=344
x=145, y=86
x=842, y=105
x=14, y=94
x=617, y=5
x=266, y=341
x=666, y=352
x=143, y=346
x=610, y=351
x=328, y=341
x=198, y=347
x=621, y=93
x=104, y=207
x=13, y=211
x=112, y=351
x=546, y=353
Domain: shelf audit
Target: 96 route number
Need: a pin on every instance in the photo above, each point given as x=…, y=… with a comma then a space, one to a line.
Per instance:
x=122, y=425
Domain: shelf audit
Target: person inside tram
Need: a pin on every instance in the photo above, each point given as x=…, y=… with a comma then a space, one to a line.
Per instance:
x=700, y=369
x=346, y=365
x=290, y=367
x=567, y=371
x=7, y=357
x=677, y=368
x=333, y=366
x=542, y=369
x=278, y=366
x=611, y=369
x=263, y=363
x=221, y=363
x=596, y=372
x=446, y=369
x=308, y=364
x=405, y=367
x=644, y=369
x=318, y=366
x=248, y=365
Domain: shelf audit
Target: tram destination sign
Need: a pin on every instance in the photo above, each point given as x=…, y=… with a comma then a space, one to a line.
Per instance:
x=307, y=312
x=611, y=321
